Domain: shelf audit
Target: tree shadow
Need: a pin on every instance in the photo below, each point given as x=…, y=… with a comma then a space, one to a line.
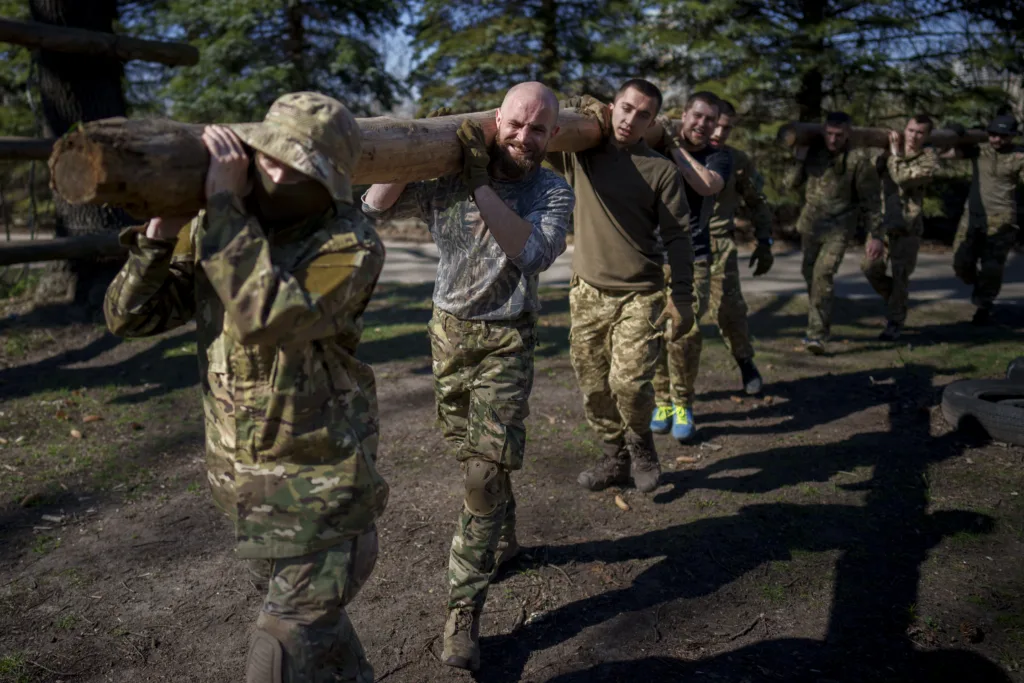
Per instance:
x=882, y=543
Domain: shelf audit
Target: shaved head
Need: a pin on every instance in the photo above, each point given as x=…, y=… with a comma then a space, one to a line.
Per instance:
x=531, y=95
x=527, y=120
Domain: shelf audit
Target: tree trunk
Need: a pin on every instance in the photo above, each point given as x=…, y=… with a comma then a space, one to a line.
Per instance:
x=803, y=134
x=811, y=91
x=158, y=167
x=550, y=64
x=78, y=88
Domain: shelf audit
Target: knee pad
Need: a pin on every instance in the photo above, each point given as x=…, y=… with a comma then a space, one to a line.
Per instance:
x=265, y=660
x=486, y=486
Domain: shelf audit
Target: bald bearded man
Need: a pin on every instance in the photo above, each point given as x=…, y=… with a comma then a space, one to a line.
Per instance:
x=497, y=226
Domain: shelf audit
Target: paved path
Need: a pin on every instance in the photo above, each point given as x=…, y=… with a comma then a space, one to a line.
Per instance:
x=933, y=279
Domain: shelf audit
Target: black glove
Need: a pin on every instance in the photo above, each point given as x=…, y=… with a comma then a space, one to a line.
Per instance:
x=957, y=128
x=762, y=257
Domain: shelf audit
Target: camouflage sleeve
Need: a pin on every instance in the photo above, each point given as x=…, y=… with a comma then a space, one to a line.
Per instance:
x=268, y=306
x=749, y=185
x=414, y=203
x=674, y=223
x=154, y=291
x=550, y=220
x=912, y=173
x=869, y=197
x=795, y=176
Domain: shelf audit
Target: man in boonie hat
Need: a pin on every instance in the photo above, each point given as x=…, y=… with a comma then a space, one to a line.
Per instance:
x=277, y=271
x=989, y=226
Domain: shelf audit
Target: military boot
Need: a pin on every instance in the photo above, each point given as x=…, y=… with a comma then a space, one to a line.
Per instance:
x=646, y=468
x=462, y=638
x=752, y=381
x=611, y=470
x=508, y=549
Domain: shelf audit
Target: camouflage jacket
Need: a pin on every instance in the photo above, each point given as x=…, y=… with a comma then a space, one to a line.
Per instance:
x=291, y=414
x=744, y=184
x=904, y=180
x=842, y=191
x=476, y=280
x=992, y=201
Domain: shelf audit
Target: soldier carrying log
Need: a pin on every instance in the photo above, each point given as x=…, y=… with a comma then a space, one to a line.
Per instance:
x=277, y=271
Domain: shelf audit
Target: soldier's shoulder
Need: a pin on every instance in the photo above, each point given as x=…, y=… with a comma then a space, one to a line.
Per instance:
x=739, y=157
x=348, y=229
x=548, y=181
x=865, y=154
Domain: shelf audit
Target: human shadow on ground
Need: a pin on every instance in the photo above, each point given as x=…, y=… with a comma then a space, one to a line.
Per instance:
x=882, y=544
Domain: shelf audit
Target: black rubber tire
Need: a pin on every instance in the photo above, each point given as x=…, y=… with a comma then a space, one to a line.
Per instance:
x=1015, y=370
x=995, y=404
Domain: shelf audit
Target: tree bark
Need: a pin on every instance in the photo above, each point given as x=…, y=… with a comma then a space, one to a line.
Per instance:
x=158, y=167
x=80, y=88
x=96, y=43
x=800, y=133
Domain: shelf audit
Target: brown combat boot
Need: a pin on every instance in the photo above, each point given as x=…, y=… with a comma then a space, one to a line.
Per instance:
x=508, y=549
x=462, y=638
x=646, y=468
x=611, y=470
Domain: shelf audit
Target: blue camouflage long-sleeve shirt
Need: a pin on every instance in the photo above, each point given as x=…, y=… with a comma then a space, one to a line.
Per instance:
x=476, y=280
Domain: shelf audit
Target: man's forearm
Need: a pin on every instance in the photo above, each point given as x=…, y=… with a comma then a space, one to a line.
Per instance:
x=704, y=181
x=383, y=196
x=509, y=230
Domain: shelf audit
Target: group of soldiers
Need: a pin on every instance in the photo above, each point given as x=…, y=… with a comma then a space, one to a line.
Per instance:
x=279, y=267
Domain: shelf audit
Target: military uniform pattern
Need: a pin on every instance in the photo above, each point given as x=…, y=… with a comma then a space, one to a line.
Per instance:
x=483, y=376
x=904, y=180
x=614, y=346
x=989, y=226
x=304, y=609
x=291, y=414
x=727, y=305
x=476, y=280
x=679, y=360
x=842, y=192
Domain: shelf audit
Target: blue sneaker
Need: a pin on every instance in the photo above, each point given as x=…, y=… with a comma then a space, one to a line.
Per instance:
x=661, y=420
x=683, y=428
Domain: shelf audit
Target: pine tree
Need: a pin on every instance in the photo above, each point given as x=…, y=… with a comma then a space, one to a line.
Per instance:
x=474, y=50
x=252, y=51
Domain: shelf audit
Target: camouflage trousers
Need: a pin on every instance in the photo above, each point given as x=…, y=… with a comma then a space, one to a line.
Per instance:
x=614, y=346
x=901, y=254
x=679, y=361
x=822, y=255
x=727, y=305
x=304, y=611
x=483, y=375
x=979, y=256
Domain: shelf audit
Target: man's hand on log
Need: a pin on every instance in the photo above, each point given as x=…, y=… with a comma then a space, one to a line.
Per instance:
x=166, y=228
x=475, y=157
x=895, y=148
x=874, y=249
x=594, y=109
x=229, y=164
x=670, y=138
x=441, y=111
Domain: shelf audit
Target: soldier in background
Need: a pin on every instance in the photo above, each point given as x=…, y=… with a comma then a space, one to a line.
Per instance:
x=497, y=226
x=909, y=168
x=705, y=171
x=842, y=191
x=989, y=226
x=277, y=271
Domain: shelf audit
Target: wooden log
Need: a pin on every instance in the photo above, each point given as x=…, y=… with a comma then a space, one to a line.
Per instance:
x=34, y=34
x=60, y=249
x=156, y=167
x=799, y=133
x=25, y=149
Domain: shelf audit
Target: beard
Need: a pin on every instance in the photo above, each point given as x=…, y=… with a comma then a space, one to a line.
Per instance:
x=511, y=166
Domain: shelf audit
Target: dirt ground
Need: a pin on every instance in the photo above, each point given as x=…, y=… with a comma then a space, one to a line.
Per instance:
x=835, y=529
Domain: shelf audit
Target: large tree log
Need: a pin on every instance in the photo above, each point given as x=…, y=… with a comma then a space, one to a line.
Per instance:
x=84, y=42
x=14, y=148
x=798, y=133
x=156, y=167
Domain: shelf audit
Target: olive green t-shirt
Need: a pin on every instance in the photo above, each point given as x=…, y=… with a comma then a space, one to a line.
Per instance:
x=623, y=195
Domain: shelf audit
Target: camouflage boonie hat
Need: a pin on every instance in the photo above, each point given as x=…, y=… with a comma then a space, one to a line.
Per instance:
x=312, y=133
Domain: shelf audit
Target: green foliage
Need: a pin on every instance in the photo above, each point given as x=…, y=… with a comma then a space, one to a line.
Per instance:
x=252, y=51
x=474, y=51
